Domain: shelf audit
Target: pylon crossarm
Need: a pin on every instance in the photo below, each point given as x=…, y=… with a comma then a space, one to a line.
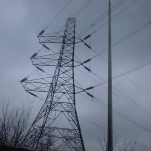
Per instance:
x=50, y=38
x=37, y=85
x=45, y=61
x=43, y=85
x=50, y=60
x=56, y=39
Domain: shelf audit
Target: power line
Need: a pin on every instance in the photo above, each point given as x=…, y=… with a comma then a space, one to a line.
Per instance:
x=121, y=72
x=121, y=11
x=101, y=84
x=82, y=9
x=55, y=17
x=143, y=110
x=113, y=132
x=121, y=115
x=79, y=11
x=137, y=105
x=118, y=76
x=133, y=81
x=102, y=17
x=121, y=40
x=98, y=54
x=132, y=70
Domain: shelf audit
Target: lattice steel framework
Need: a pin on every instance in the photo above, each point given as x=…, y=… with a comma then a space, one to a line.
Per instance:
x=57, y=122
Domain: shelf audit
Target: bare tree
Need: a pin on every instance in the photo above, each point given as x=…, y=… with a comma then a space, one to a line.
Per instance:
x=120, y=144
x=130, y=145
x=103, y=143
x=13, y=124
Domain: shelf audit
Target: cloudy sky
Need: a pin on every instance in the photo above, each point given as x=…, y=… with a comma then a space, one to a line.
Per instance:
x=22, y=20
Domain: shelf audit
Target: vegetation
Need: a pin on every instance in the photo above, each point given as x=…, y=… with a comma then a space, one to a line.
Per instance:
x=14, y=124
x=120, y=144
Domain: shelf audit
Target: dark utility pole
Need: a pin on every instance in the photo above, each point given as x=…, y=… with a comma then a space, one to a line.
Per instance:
x=110, y=123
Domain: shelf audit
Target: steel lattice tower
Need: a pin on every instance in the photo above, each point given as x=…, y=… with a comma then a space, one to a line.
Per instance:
x=48, y=129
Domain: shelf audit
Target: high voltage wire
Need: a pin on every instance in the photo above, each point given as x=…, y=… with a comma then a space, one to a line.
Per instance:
x=126, y=77
x=132, y=81
x=124, y=74
x=121, y=40
x=79, y=11
x=88, y=3
x=149, y=114
x=55, y=17
x=136, y=31
x=82, y=9
x=113, y=132
x=143, y=110
x=121, y=11
x=118, y=76
x=105, y=15
x=136, y=84
x=101, y=18
x=121, y=115
x=98, y=54
x=134, y=69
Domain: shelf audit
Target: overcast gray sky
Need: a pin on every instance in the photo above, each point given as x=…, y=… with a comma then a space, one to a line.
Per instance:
x=22, y=20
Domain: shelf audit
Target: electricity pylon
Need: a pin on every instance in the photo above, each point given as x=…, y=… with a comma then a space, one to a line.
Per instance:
x=57, y=124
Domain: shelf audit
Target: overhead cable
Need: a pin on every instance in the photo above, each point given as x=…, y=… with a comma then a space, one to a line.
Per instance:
x=82, y=9
x=123, y=116
x=97, y=54
x=121, y=40
x=55, y=17
x=121, y=11
x=113, y=132
x=102, y=17
x=101, y=84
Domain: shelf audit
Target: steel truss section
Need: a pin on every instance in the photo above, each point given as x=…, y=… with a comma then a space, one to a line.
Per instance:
x=57, y=124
